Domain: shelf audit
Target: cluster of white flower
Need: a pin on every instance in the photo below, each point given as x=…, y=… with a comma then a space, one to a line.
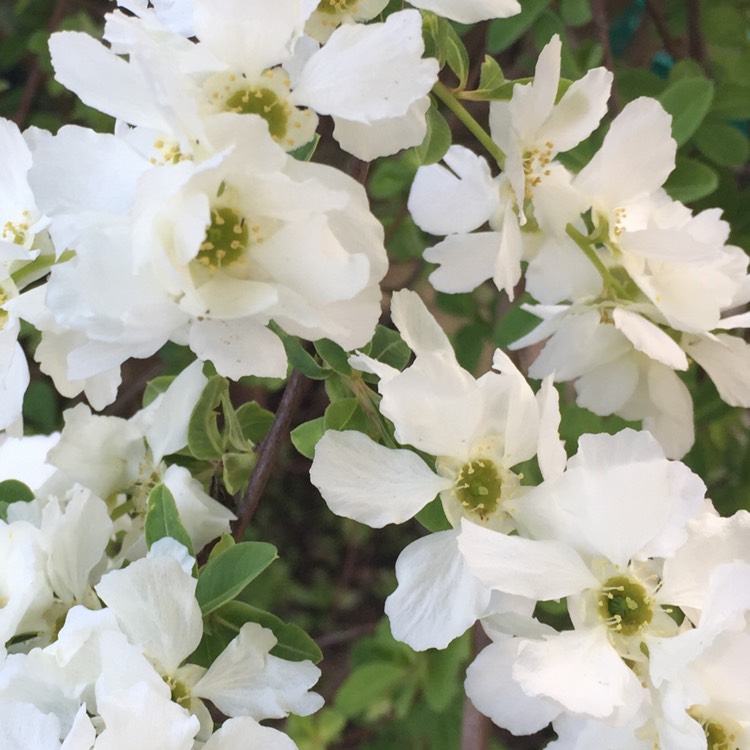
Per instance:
x=201, y=220
x=657, y=622
x=630, y=283
x=89, y=644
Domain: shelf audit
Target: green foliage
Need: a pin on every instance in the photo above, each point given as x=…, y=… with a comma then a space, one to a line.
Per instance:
x=432, y=516
x=691, y=180
x=305, y=436
x=223, y=438
x=443, y=43
x=163, y=519
x=504, y=31
x=688, y=100
x=224, y=577
x=396, y=695
x=437, y=140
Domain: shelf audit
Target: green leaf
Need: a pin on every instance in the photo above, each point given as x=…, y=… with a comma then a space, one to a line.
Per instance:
x=490, y=74
x=492, y=84
x=389, y=348
x=204, y=439
x=293, y=643
x=298, y=358
x=306, y=151
x=731, y=102
x=432, y=516
x=688, y=100
x=255, y=421
x=156, y=387
x=575, y=12
x=347, y=414
x=437, y=140
x=305, y=437
x=334, y=356
x=469, y=344
x=236, y=471
x=691, y=180
x=723, y=144
x=443, y=43
x=514, y=324
x=13, y=491
x=316, y=732
x=225, y=576
x=225, y=542
x=163, y=519
x=444, y=672
x=504, y=31
x=456, y=56
x=367, y=685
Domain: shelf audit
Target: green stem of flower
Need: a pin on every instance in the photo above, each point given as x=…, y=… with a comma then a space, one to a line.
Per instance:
x=585, y=244
x=445, y=95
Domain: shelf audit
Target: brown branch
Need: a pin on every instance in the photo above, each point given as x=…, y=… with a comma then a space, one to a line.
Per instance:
x=475, y=727
x=670, y=45
x=268, y=452
x=36, y=76
x=359, y=169
x=601, y=23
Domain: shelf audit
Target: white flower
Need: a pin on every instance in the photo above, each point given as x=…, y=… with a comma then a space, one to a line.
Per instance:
x=477, y=430
x=470, y=11
x=372, y=76
x=22, y=239
x=531, y=129
x=116, y=457
x=154, y=602
x=598, y=533
x=330, y=14
x=622, y=364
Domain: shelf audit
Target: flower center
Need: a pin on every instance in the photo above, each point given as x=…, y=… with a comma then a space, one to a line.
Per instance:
x=535, y=166
x=17, y=233
x=267, y=97
x=333, y=7
x=718, y=736
x=625, y=605
x=180, y=692
x=227, y=238
x=478, y=487
x=256, y=100
x=167, y=153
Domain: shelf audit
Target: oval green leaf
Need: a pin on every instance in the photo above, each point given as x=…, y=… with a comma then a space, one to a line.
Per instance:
x=225, y=576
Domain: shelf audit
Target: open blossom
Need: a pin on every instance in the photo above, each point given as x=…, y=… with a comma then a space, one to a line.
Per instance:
x=130, y=659
x=208, y=254
x=668, y=284
x=530, y=129
x=599, y=533
x=121, y=461
x=23, y=238
x=252, y=58
x=477, y=431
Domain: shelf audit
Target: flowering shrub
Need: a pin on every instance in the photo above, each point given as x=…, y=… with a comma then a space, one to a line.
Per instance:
x=259, y=175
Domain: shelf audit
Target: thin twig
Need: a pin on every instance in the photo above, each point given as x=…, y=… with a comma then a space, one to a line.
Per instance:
x=475, y=727
x=670, y=45
x=601, y=23
x=268, y=451
x=359, y=169
x=36, y=76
